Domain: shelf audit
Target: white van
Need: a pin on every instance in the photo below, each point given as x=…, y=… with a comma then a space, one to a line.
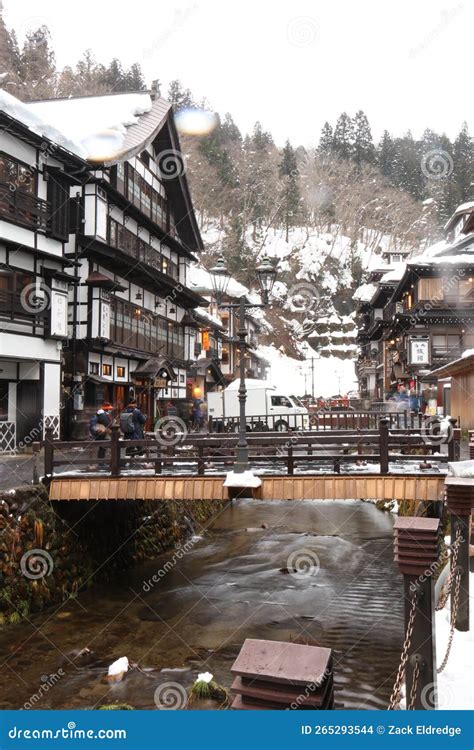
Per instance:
x=266, y=408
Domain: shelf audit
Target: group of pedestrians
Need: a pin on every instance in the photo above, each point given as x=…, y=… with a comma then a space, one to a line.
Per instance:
x=132, y=422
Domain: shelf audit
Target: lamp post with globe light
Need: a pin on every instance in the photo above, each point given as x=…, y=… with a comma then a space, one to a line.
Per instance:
x=266, y=272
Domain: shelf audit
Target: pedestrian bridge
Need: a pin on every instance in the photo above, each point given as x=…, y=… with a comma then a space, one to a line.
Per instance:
x=426, y=487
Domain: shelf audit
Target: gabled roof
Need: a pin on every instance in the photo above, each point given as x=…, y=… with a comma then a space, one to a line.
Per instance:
x=114, y=128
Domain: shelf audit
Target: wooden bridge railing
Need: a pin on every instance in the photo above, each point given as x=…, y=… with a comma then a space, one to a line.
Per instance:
x=324, y=420
x=199, y=451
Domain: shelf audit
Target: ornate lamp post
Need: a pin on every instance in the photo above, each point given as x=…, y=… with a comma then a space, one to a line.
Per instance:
x=266, y=273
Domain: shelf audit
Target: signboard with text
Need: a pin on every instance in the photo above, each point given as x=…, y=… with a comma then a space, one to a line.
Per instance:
x=419, y=351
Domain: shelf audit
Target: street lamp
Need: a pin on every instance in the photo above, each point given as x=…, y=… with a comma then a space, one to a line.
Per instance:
x=266, y=273
x=220, y=278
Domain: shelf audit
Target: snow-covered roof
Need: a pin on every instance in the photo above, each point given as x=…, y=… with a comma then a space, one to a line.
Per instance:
x=201, y=312
x=34, y=121
x=364, y=293
x=395, y=274
x=102, y=127
x=200, y=281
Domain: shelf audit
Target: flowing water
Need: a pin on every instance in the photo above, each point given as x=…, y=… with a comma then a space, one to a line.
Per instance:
x=240, y=580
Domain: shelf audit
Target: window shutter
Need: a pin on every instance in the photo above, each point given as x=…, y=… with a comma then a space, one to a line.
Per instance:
x=58, y=199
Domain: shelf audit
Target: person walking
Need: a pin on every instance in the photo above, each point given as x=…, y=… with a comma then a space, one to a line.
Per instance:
x=197, y=414
x=131, y=423
x=100, y=426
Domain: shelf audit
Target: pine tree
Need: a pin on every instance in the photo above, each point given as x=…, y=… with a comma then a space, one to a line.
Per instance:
x=326, y=140
x=408, y=173
x=179, y=97
x=230, y=131
x=37, y=65
x=290, y=192
x=114, y=78
x=134, y=80
x=343, y=141
x=363, y=147
x=261, y=138
x=90, y=76
x=9, y=58
x=387, y=155
x=463, y=160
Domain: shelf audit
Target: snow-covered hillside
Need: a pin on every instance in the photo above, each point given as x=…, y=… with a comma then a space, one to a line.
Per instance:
x=318, y=273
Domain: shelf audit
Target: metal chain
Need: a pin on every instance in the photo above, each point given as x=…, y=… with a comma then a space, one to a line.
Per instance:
x=446, y=590
x=414, y=686
x=397, y=687
x=454, y=614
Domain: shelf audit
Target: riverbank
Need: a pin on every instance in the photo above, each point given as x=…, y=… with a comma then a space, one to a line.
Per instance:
x=50, y=555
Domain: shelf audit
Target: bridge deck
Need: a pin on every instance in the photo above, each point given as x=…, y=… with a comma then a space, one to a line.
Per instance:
x=320, y=487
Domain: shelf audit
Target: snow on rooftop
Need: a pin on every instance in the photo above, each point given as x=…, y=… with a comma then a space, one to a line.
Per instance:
x=201, y=281
x=395, y=274
x=364, y=293
x=97, y=124
x=465, y=207
x=39, y=124
x=203, y=313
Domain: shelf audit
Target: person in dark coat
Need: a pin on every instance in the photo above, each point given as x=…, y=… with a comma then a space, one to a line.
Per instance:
x=131, y=423
x=100, y=425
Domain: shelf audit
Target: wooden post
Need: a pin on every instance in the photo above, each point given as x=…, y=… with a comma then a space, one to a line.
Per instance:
x=36, y=450
x=383, y=445
x=416, y=552
x=460, y=501
x=48, y=453
x=115, y=451
x=290, y=461
x=200, y=469
x=454, y=442
x=158, y=459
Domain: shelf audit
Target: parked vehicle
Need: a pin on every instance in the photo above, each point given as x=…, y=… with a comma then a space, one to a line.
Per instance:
x=266, y=408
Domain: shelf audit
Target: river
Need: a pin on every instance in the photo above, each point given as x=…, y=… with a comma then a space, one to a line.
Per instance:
x=239, y=580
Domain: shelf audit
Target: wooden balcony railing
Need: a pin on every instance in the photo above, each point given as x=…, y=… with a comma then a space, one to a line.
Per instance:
x=23, y=208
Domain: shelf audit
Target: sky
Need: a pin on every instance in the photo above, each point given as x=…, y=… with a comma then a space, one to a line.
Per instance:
x=290, y=65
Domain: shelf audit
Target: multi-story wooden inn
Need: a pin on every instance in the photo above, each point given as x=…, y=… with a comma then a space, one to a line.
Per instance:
x=419, y=316
x=37, y=168
x=125, y=243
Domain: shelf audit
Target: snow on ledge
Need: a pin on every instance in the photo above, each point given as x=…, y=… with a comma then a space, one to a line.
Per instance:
x=242, y=479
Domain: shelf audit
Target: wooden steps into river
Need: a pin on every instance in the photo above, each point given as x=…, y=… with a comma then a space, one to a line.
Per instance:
x=420, y=487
